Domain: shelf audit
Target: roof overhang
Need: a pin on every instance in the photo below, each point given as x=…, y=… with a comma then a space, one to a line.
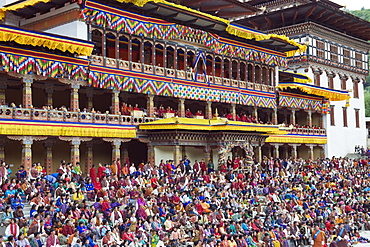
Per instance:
x=215, y=124
x=317, y=12
x=297, y=138
x=51, y=41
x=29, y=8
x=221, y=8
x=194, y=18
x=331, y=94
x=49, y=128
x=265, y=2
x=286, y=76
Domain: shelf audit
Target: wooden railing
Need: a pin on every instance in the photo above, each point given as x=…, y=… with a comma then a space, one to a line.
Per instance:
x=308, y=131
x=68, y=116
x=180, y=74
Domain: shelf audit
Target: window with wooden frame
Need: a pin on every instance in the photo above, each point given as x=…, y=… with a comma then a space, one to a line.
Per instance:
x=332, y=118
x=357, y=117
x=345, y=120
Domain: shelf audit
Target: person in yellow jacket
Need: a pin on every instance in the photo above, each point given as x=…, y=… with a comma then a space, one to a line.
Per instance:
x=78, y=196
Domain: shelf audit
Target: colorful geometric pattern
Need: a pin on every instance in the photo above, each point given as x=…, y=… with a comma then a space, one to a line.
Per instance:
x=25, y=61
x=117, y=79
x=300, y=102
x=53, y=42
x=128, y=22
x=182, y=89
x=260, y=101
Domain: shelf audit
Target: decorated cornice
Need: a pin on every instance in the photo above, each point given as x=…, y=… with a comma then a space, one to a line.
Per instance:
x=51, y=41
x=124, y=80
x=74, y=139
x=27, y=139
x=116, y=140
x=297, y=138
x=131, y=23
x=64, y=129
x=23, y=63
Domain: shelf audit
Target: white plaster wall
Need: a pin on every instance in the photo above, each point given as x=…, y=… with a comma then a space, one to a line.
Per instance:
x=342, y=140
x=163, y=153
x=6, y=2
x=75, y=29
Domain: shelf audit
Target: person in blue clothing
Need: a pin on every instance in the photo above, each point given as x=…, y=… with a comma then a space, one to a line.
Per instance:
x=21, y=173
x=90, y=189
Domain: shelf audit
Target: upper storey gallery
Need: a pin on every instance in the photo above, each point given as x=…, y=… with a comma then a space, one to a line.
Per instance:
x=165, y=39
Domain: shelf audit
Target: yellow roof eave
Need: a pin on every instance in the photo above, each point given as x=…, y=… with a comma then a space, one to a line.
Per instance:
x=215, y=124
x=332, y=95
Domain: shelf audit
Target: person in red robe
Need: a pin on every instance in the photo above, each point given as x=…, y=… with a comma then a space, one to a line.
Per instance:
x=101, y=171
x=93, y=173
x=236, y=163
x=203, y=166
x=97, y=185
x=188, y=114
x=118, y=163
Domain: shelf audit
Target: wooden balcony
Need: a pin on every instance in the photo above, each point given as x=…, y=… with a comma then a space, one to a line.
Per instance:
x=179, y=74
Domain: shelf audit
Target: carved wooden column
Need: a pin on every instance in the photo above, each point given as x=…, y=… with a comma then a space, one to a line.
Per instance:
x=74, y=86
x=207, y=154
x=75, y=150
x=74, y=105
x=125, y=153
x=3, y=87
x=116, y=150
x=322, y=151
x=208, y=114
x=276, y=149
x=2, y=149
x=294, y=150
x=49, y=156
x=275, y=116
x=151, y=154
x=115, y=102
x=27, y=92
x=309, y=118
x=292, y=117
x=310, y=151
x=150, y=105
x=176, y=154
x=90, y=103
x=181, y=108
x=89, y=157
x=27, y=142
x=116, y=146
x=49, y=90
x=233, y=111
x=255, y=112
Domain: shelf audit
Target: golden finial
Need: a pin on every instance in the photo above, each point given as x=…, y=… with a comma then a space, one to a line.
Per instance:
x=216, y=113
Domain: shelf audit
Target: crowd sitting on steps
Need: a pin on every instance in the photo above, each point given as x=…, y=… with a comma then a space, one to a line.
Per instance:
x=278, y=202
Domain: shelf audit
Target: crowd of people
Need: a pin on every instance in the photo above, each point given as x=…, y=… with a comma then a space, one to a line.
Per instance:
x=288, y=203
